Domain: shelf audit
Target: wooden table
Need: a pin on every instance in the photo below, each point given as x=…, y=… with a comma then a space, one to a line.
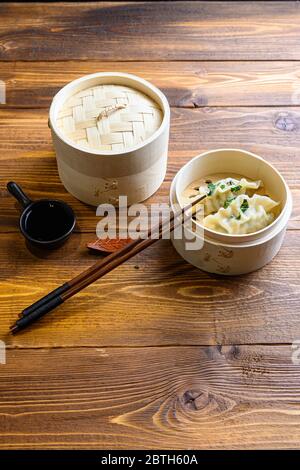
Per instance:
x=158, y=354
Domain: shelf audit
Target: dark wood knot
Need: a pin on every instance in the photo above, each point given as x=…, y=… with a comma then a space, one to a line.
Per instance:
x=235, y=351
x=230, y=352
x=195, y=400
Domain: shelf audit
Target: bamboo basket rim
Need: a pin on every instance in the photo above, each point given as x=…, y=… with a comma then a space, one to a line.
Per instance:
x=135, y=82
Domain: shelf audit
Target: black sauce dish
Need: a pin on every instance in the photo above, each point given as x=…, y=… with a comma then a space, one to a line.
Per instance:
x=46, y=223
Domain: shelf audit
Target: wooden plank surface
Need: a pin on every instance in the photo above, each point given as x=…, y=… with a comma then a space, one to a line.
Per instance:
x=148, y=31
x=186, y=84
x=154, y=299
x=26, y=151
x=178, y=398
x=275, y=133
x=157, y=354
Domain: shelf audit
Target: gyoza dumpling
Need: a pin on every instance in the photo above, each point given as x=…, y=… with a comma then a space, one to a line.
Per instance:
x=242, y=215
x=225, y=189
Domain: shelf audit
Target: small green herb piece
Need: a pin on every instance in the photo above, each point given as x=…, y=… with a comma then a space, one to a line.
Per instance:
x=244, y=205
x=222, y=186
x=211, y=187
x=235, y=189
x=238, y=217
x=228, y=201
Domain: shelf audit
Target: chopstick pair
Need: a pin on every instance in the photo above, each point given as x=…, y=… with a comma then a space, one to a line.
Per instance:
x=100, y=268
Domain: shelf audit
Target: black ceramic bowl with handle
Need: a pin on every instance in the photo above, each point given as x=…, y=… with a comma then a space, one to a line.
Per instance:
x=46, y=223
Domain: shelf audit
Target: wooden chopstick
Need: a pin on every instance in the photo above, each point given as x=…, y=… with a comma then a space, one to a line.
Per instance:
x=94, y=268
x=99, y=269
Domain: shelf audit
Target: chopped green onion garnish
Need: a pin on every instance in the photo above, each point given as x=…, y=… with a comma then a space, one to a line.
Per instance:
x=244, y=205
x=228, y=201
x=236, y=188
x=222, y=186
x=211, y=187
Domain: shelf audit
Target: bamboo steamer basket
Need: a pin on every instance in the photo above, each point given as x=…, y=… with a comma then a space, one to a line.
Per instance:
x=110, y=132
x=226, y=254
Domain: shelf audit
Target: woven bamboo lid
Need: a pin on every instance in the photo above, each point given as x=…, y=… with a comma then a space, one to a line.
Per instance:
x=109, y=117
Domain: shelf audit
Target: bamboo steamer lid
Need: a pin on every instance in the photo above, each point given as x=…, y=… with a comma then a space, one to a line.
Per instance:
x=109, y=117
x=110, y=132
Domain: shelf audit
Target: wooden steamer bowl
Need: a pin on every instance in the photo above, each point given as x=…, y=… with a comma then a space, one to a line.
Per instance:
x=233, y=254
x=99, y=161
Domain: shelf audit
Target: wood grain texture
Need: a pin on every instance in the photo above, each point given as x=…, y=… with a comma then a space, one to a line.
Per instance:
x=27, y=156
x=165, y=398
x=156, y=298
x=158, y=354
x=186, y=84
x=150, y=31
